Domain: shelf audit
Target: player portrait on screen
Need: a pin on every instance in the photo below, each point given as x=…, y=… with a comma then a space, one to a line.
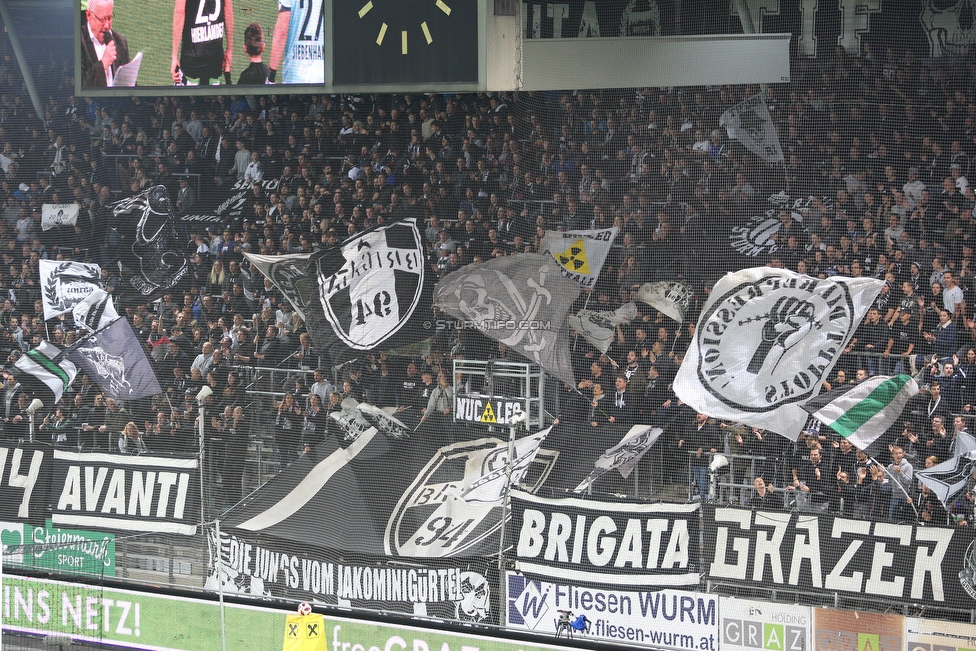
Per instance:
x=103, y=50
x=200, y=27
x=297, y=44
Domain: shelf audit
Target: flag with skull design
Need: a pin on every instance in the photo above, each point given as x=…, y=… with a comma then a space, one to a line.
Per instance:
x=521, y=301
x=766, y=340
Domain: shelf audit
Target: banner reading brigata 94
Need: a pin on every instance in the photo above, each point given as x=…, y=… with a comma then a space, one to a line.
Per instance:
x=192, y=45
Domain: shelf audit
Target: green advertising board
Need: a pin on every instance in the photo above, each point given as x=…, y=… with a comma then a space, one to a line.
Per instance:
x=142, y=620
x=60, y=550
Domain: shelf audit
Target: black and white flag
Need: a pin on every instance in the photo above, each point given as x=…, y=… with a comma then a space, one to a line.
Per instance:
x=670, y=298
x=489, y=469
x=44, y=373
x=949, y=478
x=766, y=340
x=351, y=420
x=153, y=260
x=521, y=301
x=116, y=361
x=65, y=284
x=749, y=122
x=373, y=292
x=598, y=328
x=624, y=456
x=384, y=420
x=96, y=311
x=55, y=215
x=289, y=274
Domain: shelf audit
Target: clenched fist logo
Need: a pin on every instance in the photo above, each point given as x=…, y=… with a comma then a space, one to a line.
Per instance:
x=788, y=322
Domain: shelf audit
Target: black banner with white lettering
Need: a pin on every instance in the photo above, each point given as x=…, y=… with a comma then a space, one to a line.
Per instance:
x=460, y=590
x=818, y=27
x=131, y=493
x=933, y=566
x=605, y=543
x=25, y=474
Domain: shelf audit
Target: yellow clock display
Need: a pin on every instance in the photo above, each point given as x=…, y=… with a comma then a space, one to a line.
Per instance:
x=405, y=41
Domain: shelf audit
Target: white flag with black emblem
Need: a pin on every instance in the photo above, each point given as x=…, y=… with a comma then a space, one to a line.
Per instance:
x=749, y=122
x=519, y=300
x=765, y=341
x=65, y=284
x=598, y=327
x=55, y=215
x=373, y=292
x=487, y=473
x=670, y=298
x=580, y=254
x=624, y=456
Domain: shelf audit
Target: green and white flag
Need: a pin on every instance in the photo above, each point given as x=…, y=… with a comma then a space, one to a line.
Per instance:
x=861, y=413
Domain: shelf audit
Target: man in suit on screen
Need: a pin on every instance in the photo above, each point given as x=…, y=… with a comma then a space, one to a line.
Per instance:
x=103, y=50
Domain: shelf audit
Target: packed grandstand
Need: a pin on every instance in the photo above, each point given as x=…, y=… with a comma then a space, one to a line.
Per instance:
x=873, y=184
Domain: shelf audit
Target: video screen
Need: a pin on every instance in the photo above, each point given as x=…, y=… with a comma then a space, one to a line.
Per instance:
x=199, y=46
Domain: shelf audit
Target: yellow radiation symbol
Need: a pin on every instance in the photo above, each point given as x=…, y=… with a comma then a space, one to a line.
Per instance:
x=574, y=258
x=488, y=415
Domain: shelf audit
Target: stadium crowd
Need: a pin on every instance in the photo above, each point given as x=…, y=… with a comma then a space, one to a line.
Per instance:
x=878, y=153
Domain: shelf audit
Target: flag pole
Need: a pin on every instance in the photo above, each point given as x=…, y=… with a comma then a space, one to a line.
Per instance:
x=514, y=423
x=908, y=497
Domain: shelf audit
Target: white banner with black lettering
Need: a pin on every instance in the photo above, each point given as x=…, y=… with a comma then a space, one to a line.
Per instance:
x=774, y=550
x=664, y=619
x=748, y=625
x=580, y=254
x=606, y=543
x=131, y=493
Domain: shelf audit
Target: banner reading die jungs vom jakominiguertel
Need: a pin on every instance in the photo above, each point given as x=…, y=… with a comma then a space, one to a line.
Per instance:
x=748, y=625
x=146, y=621
x=663, y=619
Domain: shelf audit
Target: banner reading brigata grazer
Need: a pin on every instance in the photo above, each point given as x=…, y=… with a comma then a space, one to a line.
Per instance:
x=605, y=543
x=112, y=491
x=826, y=554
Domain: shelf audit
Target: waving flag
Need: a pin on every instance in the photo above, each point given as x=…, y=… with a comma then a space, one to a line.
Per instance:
x=670, y=298
x=598, y=327
x=44, y=373
x=95, y=312
x=624, y=456
x=749, y=122
x=861, y=413
x=373, y=292
x=521, y=301
x=490, y=485
x=580, y=254
x=65, y=284
x=289, y=274
x=765, y=341
x=116, y=361
x=949, y=478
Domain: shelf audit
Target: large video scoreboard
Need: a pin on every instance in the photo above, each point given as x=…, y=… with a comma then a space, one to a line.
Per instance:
x=135, y=47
